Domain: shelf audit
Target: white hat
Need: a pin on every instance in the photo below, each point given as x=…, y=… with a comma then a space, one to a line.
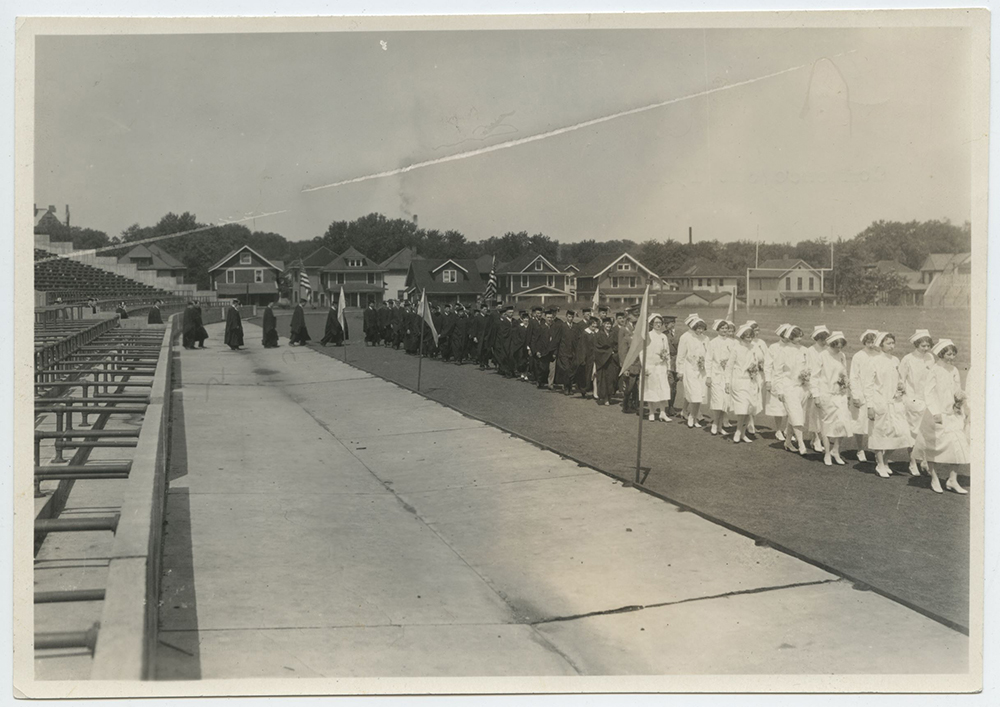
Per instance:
x=880, y=337
x=836, y=336
x=743, y=330
x=732, y=325
x=819, y=329
x=717, y=323
x=653, y=316
x=942, y=345
x=780, y=331
x=920, y=334
x=690, y=318
x=866, y=332
x=751, y=322
x=694, y=321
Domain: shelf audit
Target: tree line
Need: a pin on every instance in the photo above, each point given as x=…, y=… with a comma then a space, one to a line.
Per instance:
x=379, y=237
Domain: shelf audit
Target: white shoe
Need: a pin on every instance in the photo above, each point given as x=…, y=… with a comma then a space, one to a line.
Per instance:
x=817, y=445
x=715, y=429
x=914, y=470
x=883, y=472
x=690, y=422
x=664, y=417
x=780, y=436
x=736, y=436
x=652, y=417
x=955, y=486
x=826, y=460
x=936, y=485
x=752, y=429
x=837, y=458
x=861, y=456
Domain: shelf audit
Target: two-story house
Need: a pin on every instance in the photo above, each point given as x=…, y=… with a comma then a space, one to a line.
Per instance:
x=396, y=267
x=246, y=275
x=702, y=274
x=151, y=257
x=620, y=277
x=533, y=276
x=784, y=281
x=360, y=278
x=450, y=280
x=309, y=288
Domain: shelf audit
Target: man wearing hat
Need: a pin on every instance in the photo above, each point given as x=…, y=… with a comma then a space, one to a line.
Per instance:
x=547, y=340
x=234, y=326
x=459, y=334
x=369, y=323
x=501, y=345
x=490, y=327
x=384, y=316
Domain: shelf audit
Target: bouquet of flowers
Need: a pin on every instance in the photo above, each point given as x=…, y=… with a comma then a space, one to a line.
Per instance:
x=959, y=402
x=804, y=377
x=900, y=391
x=701, y=364
x=753, y=370
x=842, y=385
x=665, y=356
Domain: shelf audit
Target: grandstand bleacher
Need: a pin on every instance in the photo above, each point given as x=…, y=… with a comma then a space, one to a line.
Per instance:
x=74, y=281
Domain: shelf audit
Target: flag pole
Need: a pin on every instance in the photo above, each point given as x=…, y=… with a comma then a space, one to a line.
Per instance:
x=642, y=390
x=420, y=360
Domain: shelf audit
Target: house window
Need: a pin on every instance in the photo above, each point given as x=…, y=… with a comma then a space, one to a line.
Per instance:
x=230, y=277
x=800, y=283
x=355, y=263
x=699, y=282
x=631, y=282
x=258, y=276
x=614, y=282
x=625, y=266
x=721, y=282
x=788, y=283
x=550, y=280
x=340, y=278
x=449, y=276
x=811, y=281
x=371, y=278
x=524, y=280
x=400, y=293
x=538, y=265
x=245, y=259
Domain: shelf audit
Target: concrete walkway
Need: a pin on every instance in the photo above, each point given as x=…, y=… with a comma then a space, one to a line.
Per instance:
x=322, y=522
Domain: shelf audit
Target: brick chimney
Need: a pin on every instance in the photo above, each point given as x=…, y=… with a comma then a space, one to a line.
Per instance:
x=690, y=236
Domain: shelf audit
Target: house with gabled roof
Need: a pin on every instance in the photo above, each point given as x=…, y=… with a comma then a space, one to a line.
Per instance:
x=620, y=277
x=360, y=277
x=151, y=257
x=304, y=289
x=533, y=276
x=784, y=281
x=396, y=267
x=445, y=280
x=914, y=295
x=939, y=263
x=704, y=274
x=246, y=275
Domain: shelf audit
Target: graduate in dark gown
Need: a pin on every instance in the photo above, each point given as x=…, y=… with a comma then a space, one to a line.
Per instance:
x=501, y=345
x=547, y=342
x=154, y=316
x=606, y=360
x=199, y=334
x=585, y=358
x=333, y=333
x=370, y=324
x=299, y=334
x=459, y=335
x=234, y=327
x=270, y=326
x=518, y=346
x=489, y=337
x=188, y=326
x=566, y=353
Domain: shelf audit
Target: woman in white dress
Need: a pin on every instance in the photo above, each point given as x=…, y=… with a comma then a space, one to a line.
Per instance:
x=745, y=370
x=814, y=421
x=692, y=367
x=793, y=387
x=773, y=405
x=765, y=355
x=719, y=350
x=884, y=397
x=656, y=390
x=861, y=373
x=680, y=401
x=942, y=436
x=829, y=387
x=913, y=370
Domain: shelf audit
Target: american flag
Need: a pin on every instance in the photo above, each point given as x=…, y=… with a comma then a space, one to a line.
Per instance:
x=304, y=281
x=491, y=284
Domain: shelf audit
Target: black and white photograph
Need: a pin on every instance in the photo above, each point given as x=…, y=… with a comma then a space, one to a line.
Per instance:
x=492, y=354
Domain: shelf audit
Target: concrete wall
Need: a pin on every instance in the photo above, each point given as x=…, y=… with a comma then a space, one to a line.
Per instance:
x=127, y=639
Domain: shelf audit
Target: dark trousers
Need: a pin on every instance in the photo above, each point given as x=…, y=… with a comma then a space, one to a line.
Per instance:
x=630, y=393
x=542, y=364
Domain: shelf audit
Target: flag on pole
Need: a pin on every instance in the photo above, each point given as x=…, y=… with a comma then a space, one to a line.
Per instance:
x=425, y=314
x=639, y=335
x=342, y=312
x=731, y=312
x=597, y=299
x=491, y=284
x=304, y=281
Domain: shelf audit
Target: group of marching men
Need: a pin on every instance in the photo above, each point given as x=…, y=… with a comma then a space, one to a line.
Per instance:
x=876, y=402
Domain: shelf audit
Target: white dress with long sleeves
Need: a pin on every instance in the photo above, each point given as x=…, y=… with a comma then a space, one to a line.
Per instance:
x=830, y=388
x=793, y=383
x=913, y=370
x=884, y=395
x=947, y=441
x=772, y=374
x=719, y=350
x=814, y=419
x=657, y=383
x=860, y=381
x=745, y=378
x=692, y=365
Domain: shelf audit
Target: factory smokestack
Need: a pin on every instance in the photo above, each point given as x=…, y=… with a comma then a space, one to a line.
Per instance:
x=415, y=220
x=690, y=236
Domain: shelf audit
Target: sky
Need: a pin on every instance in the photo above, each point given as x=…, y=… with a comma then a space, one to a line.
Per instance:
x=777, y=134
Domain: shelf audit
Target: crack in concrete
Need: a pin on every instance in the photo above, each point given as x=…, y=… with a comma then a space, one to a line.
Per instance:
x=725, y=595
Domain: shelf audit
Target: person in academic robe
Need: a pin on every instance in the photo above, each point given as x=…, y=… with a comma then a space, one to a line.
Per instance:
x=369, y=323
x=188, y=326
x=519, y=346
x=913, y=370
x=200, y=333
x=398, y=329
x=606, y=362
x=942, y=437
x=298, y=334
x=269, y=340
x=459, y=335
x=154, y=316
x=383, y=318
x=886, y=409
x=444, y=331
x=630, y=377
x=477, y=323
x=489, y=336
x=830, y=387
x=122, y=311
x=501, y=346
x=585, y=358
x=437, y=316
x=412, y=321
x=234, y=327
x=566, y=353
x=333, y=332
